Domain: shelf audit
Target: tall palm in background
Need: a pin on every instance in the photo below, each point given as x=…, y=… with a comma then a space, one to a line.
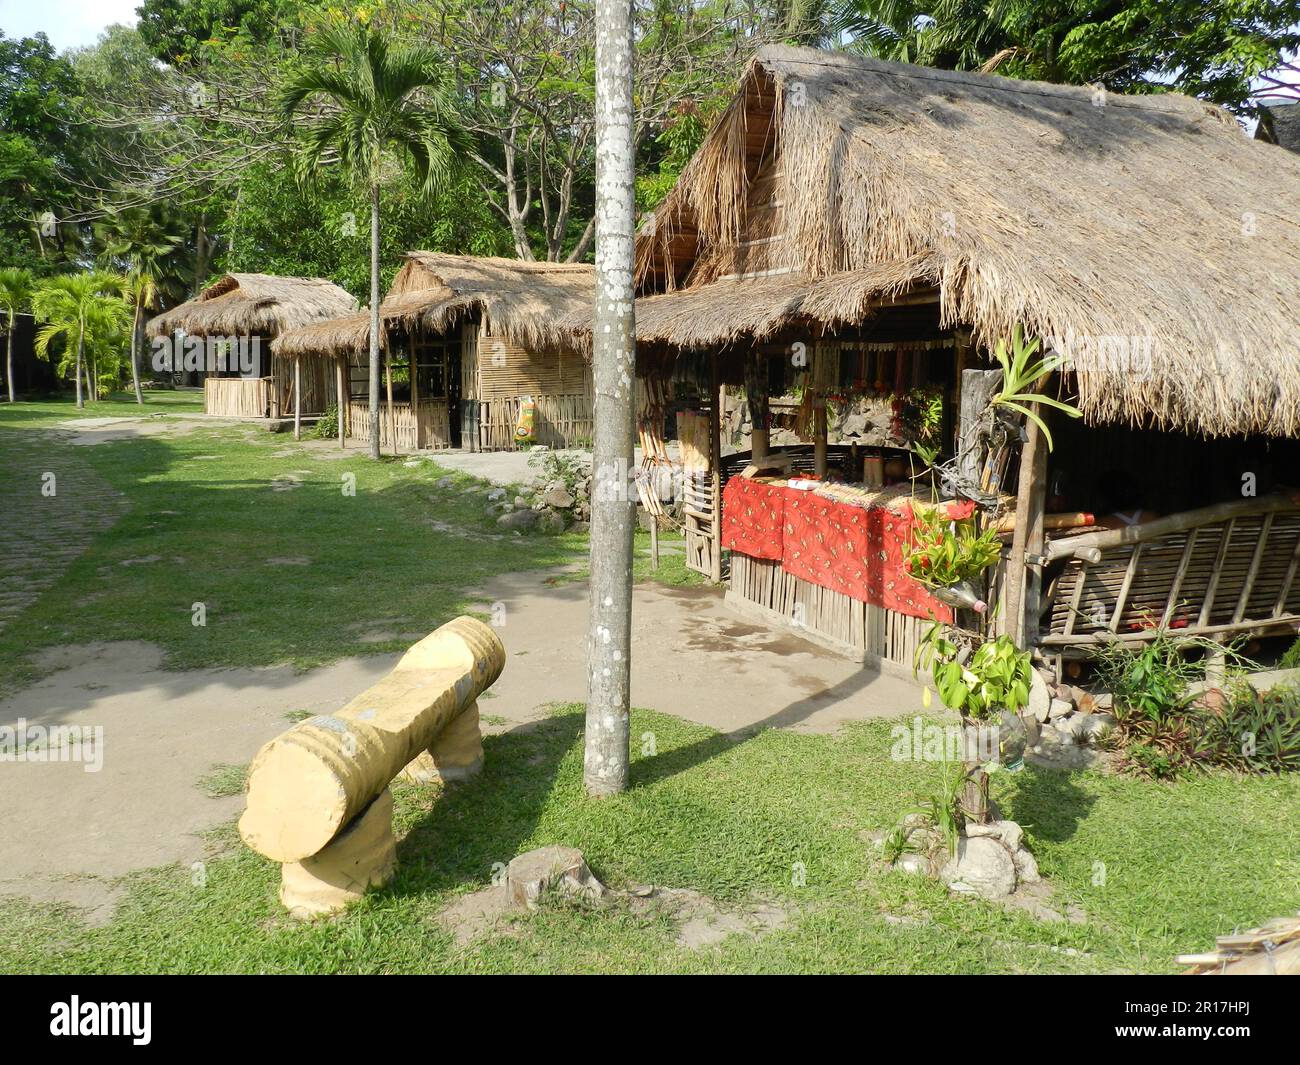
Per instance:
x=16, y=288
x=373, y=105
x=145, y=241
x=71, y=307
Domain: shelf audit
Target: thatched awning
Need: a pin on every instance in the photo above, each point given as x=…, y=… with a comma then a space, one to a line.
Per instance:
x=524, y=302
x=726, y=311
x=254, y=304
x=1147, y=237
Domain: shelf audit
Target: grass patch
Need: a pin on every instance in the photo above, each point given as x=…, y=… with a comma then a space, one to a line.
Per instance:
x=295, y=554
x=1159, y=868
x=224, y=780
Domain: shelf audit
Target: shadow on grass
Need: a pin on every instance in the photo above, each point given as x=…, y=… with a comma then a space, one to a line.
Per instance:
x=472, y=826
x=1048, y=802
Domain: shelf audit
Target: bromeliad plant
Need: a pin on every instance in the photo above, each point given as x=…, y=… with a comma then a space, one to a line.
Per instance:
x=943, y=553
x=1021, y=378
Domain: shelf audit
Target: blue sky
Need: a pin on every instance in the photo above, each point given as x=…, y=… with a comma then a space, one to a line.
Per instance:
x=67, y=23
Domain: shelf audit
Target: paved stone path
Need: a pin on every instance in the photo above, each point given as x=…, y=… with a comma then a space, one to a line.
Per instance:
x=42, y=534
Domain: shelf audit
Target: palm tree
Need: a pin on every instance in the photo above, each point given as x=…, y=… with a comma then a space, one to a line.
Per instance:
x=16, y=287
x=373, y=102
x=143, y=238
x=71, y=306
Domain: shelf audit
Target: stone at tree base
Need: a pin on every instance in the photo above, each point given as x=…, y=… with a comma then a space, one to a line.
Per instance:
x=457, y=755
x=551, y=522
x=558, y=496
x=519, y=520
x=561, y=869
x=1040, y=697
x=983, y=866
x=1026, y=867
x=363, y=855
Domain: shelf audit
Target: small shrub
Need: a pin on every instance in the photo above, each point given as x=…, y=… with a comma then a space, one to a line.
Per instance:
x=327, y=425
x=1291, y=657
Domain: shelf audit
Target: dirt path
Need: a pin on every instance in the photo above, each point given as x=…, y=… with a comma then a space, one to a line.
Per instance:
x=53, y=504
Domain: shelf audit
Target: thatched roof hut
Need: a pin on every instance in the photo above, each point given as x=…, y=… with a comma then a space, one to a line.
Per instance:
x=524, y=302
x=1280, y=124
x=254, y=304
x=1146, y=237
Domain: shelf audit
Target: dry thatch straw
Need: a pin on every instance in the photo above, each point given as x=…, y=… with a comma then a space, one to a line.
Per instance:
x=1147, y=238
x=254, y=304
x=523, y=302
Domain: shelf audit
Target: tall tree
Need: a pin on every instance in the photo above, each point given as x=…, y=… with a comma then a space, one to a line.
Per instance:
x=609, y=640
x=374, y=102
x=16, y=288
x=72, y=306
x=142, y=239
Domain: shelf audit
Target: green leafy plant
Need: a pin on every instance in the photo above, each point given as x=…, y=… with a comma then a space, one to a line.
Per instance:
x=941, y=808
x=995, y=678
x=1290, y=657
x=327, y=425
x=1022, y=376
x=942, y=552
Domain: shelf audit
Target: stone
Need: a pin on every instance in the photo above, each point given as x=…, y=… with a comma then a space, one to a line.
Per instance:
x=983, y=866
x=520, y=501
x=1010, y=833
x=1103, y=701
x=1059, y=708
x=558, y=496
x=1040, y=697
x=496, y=494
x=532, y=875
x=1093, y=726
x=1085, y=703
x=1026, y=867
x=1032, y=729
x=444, y=482
x=519, y=520
x=363, y=855
x=550, y=522
x=580, y=527
x=916, y=864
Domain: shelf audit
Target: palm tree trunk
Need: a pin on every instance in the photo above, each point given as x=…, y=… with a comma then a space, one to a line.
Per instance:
x=609, y=641
x=9, y=358
x=374, y=321
x=81, y=337
x=135, y=355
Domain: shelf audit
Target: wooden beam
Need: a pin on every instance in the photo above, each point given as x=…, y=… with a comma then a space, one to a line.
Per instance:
x=343, y=402
x=297, y=399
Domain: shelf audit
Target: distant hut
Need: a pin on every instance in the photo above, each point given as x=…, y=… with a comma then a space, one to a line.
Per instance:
x=854, y=232
x=468, y=342
x=225, y=332
x=1280, y=124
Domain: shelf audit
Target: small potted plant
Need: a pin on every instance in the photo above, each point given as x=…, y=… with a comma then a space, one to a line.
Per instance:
x=948, y=556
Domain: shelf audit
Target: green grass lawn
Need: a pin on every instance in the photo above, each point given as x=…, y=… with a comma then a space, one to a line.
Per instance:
x=298, y=575
x=47, y=412
x=301, y=574
x=731, y=819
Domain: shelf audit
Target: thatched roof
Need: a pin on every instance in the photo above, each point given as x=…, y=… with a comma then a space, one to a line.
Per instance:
x=1089, y=220
x=524, y=302
x=247, y=304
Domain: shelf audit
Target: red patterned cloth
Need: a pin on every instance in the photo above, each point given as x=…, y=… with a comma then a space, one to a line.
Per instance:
x=854, y=550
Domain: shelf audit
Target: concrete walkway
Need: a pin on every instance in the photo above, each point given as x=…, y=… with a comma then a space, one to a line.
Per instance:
x=67, y=834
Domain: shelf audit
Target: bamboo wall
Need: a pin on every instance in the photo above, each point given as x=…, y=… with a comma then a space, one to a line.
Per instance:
x=317, y=387
x=431, y=429
x=236, y=397
x=851, y=626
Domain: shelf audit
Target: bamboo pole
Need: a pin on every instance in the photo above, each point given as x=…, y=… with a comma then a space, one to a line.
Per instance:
x=343, y=402
x=1030, y=497
x=388, y=378
x=297, y=398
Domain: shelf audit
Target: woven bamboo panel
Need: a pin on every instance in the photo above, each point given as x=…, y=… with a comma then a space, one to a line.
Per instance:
x=236, y=397
x=561, y=421
x=508, y=371
x=433, y=429
x=808, y=607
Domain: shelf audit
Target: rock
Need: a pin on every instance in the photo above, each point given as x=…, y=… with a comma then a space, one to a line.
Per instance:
x=550, y=522
x=1040, y=698
x=557, y=496
x=580, y=527
x=1032, y=729
x=496, y=494
x=1085, y=703
x=1103, y=701
x=916, y=864
x=983, y=866
x=975, y=831
x=520, y=501
x=1059, y=708
x=1026, y=867
x=1010, y=833
x=1093, y=726
x=519, y=520
x=444, y=482
x=532, y=875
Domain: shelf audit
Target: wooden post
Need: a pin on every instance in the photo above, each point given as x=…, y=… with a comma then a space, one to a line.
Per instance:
x=343, y=402
x=977, y=388
x=413, y=370
x=388, y=378
x=297, y=398
x=756, y=394
x=718, y=393
x=1030, y=499
x=819, y=436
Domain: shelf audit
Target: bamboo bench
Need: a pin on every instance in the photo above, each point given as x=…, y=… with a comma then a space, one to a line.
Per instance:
x=1216, y=572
